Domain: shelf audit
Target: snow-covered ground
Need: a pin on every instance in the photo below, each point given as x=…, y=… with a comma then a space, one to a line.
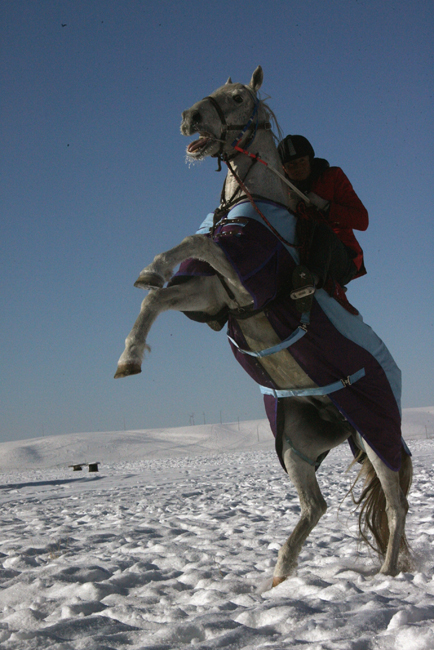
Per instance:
x=172, y=544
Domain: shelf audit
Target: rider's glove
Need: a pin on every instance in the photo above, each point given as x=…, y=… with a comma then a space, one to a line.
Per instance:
x=318, y=202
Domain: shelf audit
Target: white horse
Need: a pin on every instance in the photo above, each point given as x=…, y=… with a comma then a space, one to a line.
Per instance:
x=228, y=122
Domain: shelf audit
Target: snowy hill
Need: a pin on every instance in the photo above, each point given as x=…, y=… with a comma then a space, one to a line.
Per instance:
x=121, y=446
x=418, y=423
x=172, y=545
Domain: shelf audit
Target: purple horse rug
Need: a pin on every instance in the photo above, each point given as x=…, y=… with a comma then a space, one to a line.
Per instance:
x=337, y=350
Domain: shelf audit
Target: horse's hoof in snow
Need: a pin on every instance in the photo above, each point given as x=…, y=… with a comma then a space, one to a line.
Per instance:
x=127, y=369
x=277, y=581
x=149, y=280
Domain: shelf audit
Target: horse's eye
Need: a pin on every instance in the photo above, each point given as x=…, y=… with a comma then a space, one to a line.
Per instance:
x=238, y=99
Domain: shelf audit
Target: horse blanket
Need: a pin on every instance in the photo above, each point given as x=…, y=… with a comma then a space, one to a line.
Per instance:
x=337, y=343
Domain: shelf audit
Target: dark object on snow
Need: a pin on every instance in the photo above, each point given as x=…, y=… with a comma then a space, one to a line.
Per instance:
x=77, y=468
x=93, y=467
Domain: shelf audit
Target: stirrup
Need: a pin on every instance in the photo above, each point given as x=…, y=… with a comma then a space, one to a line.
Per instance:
x=302, y=293
x=303, y=284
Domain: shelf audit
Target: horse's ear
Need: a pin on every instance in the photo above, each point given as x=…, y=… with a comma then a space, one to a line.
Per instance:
x=257, y=79
x=229, y=81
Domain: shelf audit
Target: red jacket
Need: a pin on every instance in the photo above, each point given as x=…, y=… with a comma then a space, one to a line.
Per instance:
x=346, y=212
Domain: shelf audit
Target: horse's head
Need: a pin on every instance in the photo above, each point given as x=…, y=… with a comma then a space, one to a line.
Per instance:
x=221, y=117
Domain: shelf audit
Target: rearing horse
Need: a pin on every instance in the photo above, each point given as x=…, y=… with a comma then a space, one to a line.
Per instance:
x=325, y=376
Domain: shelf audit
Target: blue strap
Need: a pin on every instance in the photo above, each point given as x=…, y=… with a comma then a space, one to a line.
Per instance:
x=315, y=463
x=321, y=390
x=295, y=336
x=255, y=110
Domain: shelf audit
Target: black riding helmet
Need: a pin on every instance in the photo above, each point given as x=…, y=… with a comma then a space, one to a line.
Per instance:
x=295, y=146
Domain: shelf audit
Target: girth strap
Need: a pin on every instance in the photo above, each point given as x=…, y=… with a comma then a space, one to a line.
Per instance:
x=320, y=390
x=295, y=336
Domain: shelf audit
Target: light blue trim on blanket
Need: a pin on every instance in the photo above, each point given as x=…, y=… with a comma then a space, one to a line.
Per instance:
x=320, y=390
x=206, y=225
x=350, y=326
x=354, y=329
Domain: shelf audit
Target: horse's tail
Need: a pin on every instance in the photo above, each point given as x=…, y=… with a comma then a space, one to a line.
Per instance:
x=372, y=515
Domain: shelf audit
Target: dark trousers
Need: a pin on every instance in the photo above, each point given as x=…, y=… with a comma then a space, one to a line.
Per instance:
x=329, y=257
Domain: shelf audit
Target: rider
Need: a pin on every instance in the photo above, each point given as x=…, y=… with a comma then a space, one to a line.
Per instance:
x=333, y=251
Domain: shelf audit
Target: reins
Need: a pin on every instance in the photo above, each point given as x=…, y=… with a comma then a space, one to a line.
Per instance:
x=283, y=178
x=255, y=207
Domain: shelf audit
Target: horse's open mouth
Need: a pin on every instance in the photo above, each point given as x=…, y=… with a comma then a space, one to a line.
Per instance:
x=198, y=148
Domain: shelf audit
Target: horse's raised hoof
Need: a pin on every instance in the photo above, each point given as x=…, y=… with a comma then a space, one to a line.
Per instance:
x=149, y=280
x=277, y=581
x=127, y=369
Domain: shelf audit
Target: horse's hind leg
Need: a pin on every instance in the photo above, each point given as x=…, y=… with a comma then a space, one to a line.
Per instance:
x=391, y=538
x=311, y=435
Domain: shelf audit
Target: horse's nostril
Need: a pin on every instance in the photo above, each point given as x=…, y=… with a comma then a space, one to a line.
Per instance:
x=196, y=117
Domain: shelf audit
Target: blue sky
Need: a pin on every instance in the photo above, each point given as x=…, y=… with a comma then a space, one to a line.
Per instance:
x=94, y=183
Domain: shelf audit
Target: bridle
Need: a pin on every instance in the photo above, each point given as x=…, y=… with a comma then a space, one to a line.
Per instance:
x=242, y=128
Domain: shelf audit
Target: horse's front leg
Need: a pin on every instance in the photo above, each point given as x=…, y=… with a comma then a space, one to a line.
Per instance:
x=197, y=246
x=198, y=294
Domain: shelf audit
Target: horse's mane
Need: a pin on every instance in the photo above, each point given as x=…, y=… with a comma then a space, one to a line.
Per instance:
x=271, y=117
